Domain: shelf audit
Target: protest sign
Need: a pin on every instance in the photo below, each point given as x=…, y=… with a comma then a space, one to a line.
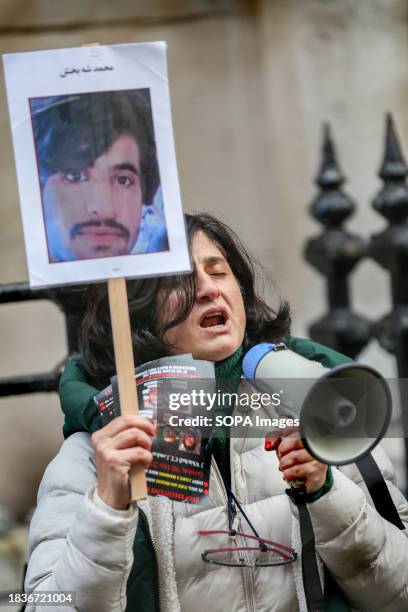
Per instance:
x=96, y=165
x=97, y=177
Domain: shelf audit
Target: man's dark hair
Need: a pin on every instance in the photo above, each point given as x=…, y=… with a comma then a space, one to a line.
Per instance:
x=148, y=296
x=72, y=131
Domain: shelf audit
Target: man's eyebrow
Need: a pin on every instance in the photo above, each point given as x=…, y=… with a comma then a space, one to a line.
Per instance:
x=127, y=166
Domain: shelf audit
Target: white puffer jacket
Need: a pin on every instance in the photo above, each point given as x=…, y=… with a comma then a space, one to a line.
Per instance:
x=77, y=543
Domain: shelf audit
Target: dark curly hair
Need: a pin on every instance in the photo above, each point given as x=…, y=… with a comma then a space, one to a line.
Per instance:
x=263, y=324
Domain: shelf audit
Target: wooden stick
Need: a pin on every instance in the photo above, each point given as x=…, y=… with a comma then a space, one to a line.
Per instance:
x=125, y=369
x=125, y=364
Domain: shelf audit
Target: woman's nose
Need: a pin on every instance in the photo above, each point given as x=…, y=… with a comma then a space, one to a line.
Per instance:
x=207, y=288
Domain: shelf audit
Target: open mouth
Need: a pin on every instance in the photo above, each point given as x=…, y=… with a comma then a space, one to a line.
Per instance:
x=213, y=319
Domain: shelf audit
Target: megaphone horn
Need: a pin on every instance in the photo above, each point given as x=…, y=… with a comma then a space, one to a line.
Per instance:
x=343, y=412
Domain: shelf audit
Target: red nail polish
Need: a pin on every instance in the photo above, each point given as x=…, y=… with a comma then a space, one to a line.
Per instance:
x=271, y=443
x=268, y=445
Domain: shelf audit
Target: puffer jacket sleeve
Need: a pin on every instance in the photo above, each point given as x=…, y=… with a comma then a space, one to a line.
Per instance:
x=367, y=555
x=77, y=543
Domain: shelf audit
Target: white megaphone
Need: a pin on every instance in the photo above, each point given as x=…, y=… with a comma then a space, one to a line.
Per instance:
x=343, y=413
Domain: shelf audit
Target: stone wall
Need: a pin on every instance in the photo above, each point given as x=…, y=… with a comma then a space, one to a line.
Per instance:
x=251, y=84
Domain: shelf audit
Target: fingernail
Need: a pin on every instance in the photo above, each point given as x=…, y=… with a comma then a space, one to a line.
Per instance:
x=271, y=443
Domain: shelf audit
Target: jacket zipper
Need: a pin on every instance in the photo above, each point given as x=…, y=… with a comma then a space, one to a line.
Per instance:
x=247, y=572
x=156, y=570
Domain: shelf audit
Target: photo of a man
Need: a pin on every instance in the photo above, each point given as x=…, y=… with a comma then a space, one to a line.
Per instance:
x=99, y=175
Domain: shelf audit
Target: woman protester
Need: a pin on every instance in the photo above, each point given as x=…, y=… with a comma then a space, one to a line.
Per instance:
x=87, y=537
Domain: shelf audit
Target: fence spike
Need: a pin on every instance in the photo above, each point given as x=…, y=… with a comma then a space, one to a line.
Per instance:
x=334, y=253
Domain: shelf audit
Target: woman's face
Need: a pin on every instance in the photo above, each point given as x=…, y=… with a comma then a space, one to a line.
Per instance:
x=215, y=327
x=169, y=435
x=189, y=440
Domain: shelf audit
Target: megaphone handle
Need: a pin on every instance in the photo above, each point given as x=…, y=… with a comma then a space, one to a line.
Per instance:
x=298, y=484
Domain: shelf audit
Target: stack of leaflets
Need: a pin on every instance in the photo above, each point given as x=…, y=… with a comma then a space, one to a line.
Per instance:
x=172, y=392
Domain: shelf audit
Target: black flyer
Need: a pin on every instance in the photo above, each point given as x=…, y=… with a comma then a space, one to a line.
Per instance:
x=166, y=389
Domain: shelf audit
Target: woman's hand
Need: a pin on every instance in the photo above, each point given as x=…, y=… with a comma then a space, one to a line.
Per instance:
x=295, y=462
x=118, y=446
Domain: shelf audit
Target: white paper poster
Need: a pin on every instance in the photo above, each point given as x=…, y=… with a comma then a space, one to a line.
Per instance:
x=96, y=166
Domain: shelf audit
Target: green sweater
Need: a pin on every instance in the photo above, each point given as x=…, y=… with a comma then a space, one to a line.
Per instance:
x=81, y=414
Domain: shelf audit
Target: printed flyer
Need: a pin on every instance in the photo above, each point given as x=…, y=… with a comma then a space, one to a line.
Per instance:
x=181, y=463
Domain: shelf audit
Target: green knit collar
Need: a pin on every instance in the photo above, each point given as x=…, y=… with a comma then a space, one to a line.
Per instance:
x=231, y=367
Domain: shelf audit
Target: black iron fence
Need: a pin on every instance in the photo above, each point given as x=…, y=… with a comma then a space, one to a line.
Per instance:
x=71, y=303
x=335, y=252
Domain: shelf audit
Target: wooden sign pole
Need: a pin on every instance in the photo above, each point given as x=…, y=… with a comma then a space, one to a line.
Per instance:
x=125, y=369
x=125, y=364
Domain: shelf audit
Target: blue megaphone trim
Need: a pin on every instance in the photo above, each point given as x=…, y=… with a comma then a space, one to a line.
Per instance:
x=256, y=353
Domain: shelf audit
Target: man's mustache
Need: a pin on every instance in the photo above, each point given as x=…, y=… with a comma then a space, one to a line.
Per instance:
x=78, y=227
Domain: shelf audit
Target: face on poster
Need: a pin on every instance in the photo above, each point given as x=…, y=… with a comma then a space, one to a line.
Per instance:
x=95, y=163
